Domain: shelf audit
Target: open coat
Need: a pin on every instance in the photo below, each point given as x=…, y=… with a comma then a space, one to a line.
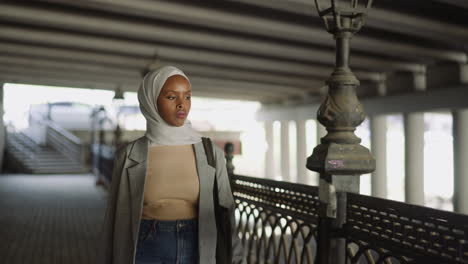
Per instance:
x=125, y=203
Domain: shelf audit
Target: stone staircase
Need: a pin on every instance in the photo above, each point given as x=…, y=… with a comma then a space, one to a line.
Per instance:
x=25, y=156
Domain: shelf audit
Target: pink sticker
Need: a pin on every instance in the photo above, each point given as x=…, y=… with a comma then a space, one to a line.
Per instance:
x=336, y=163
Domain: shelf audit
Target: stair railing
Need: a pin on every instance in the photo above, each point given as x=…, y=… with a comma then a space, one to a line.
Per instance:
x=60, y=139
x=12, y=142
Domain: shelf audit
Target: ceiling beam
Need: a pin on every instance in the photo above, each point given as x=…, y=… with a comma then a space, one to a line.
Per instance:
x=138, y=64
x=448, y=99
x=147, y=32
x=176, y=36
x=317, y=74
x=418, y=26
x=116, y=75
x=53, y=61
x=69, y=66
x=213, y=91
x=84, y=85
x=241, y=23
x=73, y=55
x=150, y=51
x=153, y=51
x=192, y=69
x=317, y=57
x=388, y=20
x=457, y=3
x=202, y=83
x=235, y=96
x=61, y=42
x=216, y=92
x=239, y=85
x=82, y=77
x=50, y=81
x=312, y=73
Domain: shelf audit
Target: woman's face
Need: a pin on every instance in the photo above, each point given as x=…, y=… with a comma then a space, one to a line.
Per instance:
x=174, y=100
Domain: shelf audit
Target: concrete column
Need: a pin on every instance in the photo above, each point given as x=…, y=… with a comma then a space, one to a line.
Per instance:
x=2, y=129
x=460, y=158
x=378, y=125
x=270, y=154
x=301, y=151
x=414, y=158
x=285, y=157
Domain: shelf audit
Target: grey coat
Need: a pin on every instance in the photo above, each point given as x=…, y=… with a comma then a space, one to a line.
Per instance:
x=125, y=203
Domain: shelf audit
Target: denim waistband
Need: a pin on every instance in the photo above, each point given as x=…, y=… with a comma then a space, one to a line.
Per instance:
x=171, y=226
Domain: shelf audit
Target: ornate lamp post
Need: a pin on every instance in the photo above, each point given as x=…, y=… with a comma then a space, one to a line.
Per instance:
x=339, y=159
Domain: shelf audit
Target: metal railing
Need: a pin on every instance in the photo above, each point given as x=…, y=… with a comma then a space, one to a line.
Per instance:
x=17, y=147
x=385, y=231
x=279, y=222
x=60, y=139
x=63, y=141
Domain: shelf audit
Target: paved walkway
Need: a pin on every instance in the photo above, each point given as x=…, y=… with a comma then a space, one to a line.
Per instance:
x=50, y=219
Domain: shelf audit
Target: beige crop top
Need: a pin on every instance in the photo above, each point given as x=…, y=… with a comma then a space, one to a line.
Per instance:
x=172, y=186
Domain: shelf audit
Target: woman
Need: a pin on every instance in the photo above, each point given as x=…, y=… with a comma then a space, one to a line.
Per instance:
x=161, y=205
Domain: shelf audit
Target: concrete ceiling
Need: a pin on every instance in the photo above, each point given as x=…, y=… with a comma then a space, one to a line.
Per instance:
x=267, y=51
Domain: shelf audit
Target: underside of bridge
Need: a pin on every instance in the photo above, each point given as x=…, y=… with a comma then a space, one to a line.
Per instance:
x=411, y=57
x=275, y=52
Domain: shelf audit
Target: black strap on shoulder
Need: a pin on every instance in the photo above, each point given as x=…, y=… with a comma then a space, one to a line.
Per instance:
x=222, y=215
x=208, y=145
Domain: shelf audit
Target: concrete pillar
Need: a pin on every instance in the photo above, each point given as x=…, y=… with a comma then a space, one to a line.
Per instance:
x=285, y=157
x=2, y=129
x=460, y=158
x=378, y=125
x=414, y=148
x=301, y=151
x=414, y=158
x=270, y=154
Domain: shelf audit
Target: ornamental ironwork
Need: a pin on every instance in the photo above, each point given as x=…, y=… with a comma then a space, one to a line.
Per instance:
x=277, y=221
x=384, y=231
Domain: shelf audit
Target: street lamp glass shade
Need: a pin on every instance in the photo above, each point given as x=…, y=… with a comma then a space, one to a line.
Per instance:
x=343, y=15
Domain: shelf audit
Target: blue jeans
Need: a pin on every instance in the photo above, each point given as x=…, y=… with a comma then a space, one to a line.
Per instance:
x=164, y=242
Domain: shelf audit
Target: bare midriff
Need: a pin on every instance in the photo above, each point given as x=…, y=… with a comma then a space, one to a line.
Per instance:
x=172, y=186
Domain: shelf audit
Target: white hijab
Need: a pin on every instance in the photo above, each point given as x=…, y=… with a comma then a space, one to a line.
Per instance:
x=157, y=130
